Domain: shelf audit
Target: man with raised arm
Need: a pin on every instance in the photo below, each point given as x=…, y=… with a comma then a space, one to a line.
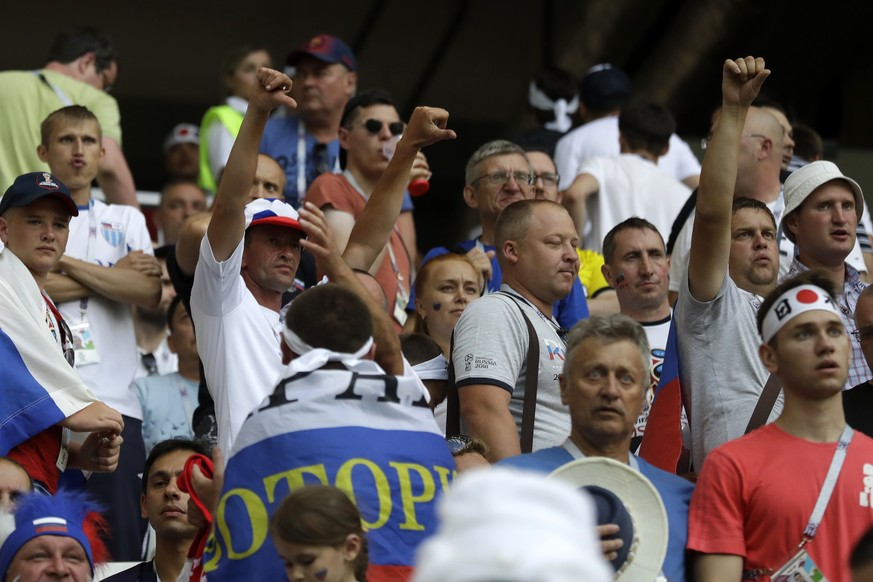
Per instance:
x=733, y=262
x=249, y=256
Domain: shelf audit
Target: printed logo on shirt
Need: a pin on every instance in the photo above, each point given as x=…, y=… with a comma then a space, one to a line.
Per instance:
x=113, y=233
x=468, y=362
x=554, y=349
x=483, y=363
x=866, y=497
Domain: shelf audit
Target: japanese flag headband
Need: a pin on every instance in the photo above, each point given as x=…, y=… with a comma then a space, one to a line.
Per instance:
x=792, y=303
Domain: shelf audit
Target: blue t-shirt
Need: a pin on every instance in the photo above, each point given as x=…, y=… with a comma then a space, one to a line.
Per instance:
x=675, y=493
x=568, y=311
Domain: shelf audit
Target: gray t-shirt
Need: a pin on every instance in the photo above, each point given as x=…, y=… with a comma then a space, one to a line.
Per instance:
x=720, y=371
x=491, y=344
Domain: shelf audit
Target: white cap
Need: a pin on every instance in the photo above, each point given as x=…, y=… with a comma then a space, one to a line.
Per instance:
x=513, y=526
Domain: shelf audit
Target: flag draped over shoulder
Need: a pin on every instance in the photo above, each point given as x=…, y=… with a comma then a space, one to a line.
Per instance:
x=662, y=441
x=365, y=432
x=38, y=388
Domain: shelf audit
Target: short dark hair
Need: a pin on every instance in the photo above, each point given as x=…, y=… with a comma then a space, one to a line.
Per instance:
x=646, y=126
x=71, y=44
x=514, y=221
x=173, y=182
x=807, y=142
x=331, y=317
x=634, y=222
x=862, y=554
x=168, y=446
x=364, y=99
x=69, y=114
x=171, y=311
x=744, y=203
x=812, y=277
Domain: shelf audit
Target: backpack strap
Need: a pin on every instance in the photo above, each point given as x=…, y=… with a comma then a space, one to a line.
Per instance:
x=453, y=404
x=765, y=403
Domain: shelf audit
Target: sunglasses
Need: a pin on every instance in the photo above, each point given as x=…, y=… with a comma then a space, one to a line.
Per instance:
x=374, y=126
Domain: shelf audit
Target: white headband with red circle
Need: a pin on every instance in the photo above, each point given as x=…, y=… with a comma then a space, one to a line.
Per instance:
x=792, y=303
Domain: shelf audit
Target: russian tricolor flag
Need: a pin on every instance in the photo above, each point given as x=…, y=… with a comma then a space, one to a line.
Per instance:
x=662, y=441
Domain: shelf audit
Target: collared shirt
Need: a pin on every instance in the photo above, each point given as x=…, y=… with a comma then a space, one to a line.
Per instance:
x=846, y=301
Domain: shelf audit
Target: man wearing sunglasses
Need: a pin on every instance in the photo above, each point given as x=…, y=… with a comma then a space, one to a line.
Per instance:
x=369, y=129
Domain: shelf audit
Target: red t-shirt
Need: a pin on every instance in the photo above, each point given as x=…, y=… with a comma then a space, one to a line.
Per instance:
x=755, y=496
x=335, y=191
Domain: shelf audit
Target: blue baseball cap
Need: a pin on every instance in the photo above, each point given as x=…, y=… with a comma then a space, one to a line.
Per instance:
x=325, y=48
x=29, y=188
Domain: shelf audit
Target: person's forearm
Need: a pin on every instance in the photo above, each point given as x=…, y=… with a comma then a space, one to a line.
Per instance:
x=118, y=284
x=62, y=288
x=114, y=176
x=373, y=227
x=496, y=427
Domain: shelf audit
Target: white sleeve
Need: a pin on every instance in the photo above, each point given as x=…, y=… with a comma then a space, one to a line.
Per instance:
x=218, y=286
x=137, y=233
x=679, y=258
x=683, y=162
x=490, y=344
x=566, y=161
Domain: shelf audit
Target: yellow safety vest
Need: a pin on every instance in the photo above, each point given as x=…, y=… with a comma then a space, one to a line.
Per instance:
x=231, y=119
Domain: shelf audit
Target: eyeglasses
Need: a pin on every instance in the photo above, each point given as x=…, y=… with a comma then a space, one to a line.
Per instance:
x=863, y=334
x=704, y=143
x=501, y=178
x=374, y=126
x=548, y=179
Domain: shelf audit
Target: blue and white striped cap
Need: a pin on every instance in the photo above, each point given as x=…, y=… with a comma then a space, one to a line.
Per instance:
x=272, y=211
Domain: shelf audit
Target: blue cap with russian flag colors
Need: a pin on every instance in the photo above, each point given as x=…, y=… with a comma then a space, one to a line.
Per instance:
x=272, y=211
x=64, y=514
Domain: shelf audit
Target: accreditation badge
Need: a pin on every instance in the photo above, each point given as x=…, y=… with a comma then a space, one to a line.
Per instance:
x=83, y=343
x=800, y=568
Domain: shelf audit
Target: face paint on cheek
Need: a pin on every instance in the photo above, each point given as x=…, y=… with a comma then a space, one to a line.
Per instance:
x=321, y=574
x=437, y=306
x=620, y=281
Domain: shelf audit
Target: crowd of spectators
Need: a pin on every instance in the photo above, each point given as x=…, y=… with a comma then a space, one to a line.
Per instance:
x=283, y=384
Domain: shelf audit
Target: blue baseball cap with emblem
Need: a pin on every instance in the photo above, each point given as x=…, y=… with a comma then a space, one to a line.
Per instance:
x=28, y=188
x=327, y=49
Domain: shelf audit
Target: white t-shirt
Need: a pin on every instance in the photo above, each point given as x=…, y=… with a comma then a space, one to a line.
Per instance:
x=116, y=231
x=600, y=138
x=630, y=185
x=238, y=340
